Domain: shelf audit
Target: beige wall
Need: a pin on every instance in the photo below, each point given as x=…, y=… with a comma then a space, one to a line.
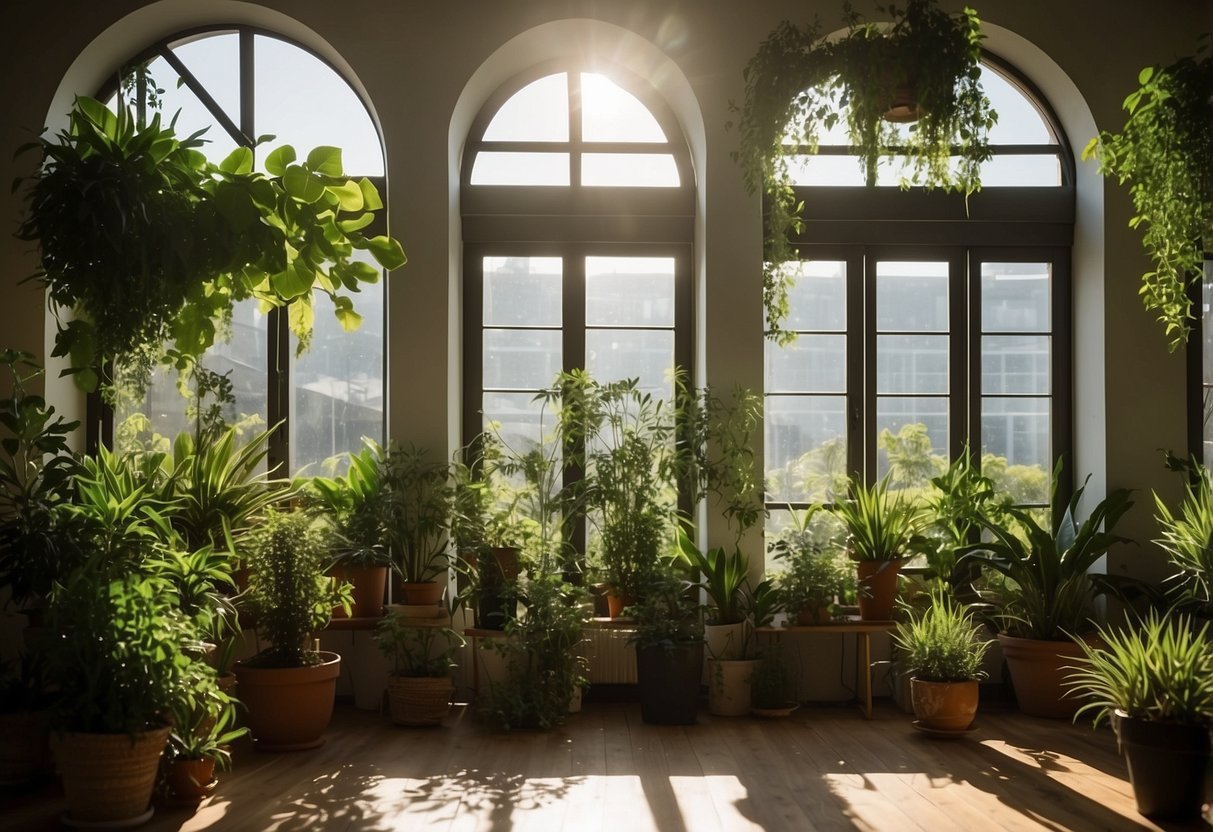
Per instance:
x=425, y=67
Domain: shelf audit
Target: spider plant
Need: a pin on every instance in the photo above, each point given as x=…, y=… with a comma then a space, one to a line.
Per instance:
x=879, y=527
x=1187, y=538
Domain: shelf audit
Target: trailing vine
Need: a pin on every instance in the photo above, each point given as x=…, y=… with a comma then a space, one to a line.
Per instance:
x=1163, y=152
x=799, y=85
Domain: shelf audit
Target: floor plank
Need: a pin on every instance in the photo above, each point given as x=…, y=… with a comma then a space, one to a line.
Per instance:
x=822, y=769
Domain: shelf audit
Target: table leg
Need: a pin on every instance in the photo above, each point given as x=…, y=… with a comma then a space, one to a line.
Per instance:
x=866, y=669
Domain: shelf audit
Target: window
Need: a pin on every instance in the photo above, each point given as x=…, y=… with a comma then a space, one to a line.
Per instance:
x=577, y=201
x=240, y=84
x=924, y=324
x=1200, y=369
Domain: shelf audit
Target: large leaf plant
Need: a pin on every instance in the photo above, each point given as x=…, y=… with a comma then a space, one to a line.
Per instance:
x=145, y=242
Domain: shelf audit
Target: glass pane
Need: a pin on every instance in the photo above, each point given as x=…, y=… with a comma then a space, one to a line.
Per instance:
x=1015, y=364
x=629, y=291
x=1015, y=446
x=806, y=448
x=911, y=364
x=911, y=440
x=539, y=112
x=828, y=171
x=1002, y=171
x=810, y=364
x=522, y=291
x=521, y=359
x=191, y=114
x=823, y=531
x=642, y=170
x=611, y=114
x=617, y=354
x=1015, y=297
x=520, y=169
x=337, y=385
x=1017, y=170
x=818, y=300
x=518, y=420
x=1019, y=122
x=293, y=86
x=911, y=296
x=214, y=59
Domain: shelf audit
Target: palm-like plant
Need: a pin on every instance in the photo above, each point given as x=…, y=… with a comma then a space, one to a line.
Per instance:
x=879, y=527
x=724, y=577
x=356, y=505
x=1048, y=590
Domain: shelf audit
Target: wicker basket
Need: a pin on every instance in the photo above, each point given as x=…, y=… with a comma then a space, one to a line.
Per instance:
x=108, y=777
x=424, y=700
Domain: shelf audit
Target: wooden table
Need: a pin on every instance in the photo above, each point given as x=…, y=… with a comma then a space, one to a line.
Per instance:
x=863, y=662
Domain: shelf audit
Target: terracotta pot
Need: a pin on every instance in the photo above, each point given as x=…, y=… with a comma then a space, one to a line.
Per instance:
x=370, y=585
x=877, y=588
x=108, y=777
x=813, y=616
x=616, y=604
x=419, y=700
x=944, y=706
x=25, y=749
x=729, y=686
x=425, y=593
x=288, y=708
x=1037, y=674
x=190, y=780
x=1168, y=765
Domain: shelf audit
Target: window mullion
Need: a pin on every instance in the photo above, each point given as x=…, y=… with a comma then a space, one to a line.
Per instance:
x=868, y=354
x=974, y=325
x=958, y=395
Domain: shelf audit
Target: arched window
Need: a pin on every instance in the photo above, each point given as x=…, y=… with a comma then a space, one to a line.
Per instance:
x=926, y=323
x=577, y=199
x=241, y=84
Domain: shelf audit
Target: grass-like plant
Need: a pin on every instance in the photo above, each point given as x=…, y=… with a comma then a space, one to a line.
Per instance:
x=1160, y=670
x=879, y=526
x=1187, y=538
x=941, y=642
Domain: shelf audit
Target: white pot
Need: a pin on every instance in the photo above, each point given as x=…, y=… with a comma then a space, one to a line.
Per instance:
x=729, y=686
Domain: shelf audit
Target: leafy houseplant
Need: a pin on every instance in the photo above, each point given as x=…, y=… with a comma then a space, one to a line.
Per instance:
x=817, y=575
x=147, y=241
x=942, y=649
x=924, y=66
x=1047, y=595
x=956, y=498
x=418, y=505
x=669, y=650
x=289, y=688
x=773, y=691
x=1187, y=538
x=1163, y=153
x=198, y=744
x=355, y=507
x=880, y=532
x=419, y=687
x=1155, y=682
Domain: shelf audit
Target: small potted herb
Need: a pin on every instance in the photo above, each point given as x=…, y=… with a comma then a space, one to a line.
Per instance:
x=289, y=687
x=419, y=685
x=817, y=575
x=940, y=646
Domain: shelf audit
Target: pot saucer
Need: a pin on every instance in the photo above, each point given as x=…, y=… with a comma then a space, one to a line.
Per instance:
x=773, y=713
x=941, y=734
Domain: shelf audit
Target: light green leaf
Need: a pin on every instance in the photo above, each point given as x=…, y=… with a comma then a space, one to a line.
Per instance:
x=387, y=251
x=370, y=195
x=350, y=226
x=292, y=283
x=301, y=316
x=325, y=160
x=302, y=185
x=279, y=159
x=239, y=161
x=350, y=320
x=349, y=195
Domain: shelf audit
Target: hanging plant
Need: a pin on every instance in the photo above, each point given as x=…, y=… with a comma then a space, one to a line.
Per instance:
x=146, y=242
x=923, y=67
x=1163, y=154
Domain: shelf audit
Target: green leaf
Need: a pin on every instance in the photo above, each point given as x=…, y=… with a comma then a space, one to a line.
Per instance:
x=301, y=316
x=292, y=283
x=387, y=251
x=239, y=161
x=235, y=205
x=279, y=159
x=349, y=195
x=361, y=222
x=344, y=310
x=303, y=185
x=325, y=160
x=370, y=195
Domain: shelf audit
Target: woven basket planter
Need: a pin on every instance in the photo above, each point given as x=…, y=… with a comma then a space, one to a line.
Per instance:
x=108, y=777
x=419, y=700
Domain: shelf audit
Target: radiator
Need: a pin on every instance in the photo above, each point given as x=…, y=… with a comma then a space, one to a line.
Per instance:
x=612, y=661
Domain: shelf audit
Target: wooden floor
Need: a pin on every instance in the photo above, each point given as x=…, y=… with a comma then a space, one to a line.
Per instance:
x=824, y=768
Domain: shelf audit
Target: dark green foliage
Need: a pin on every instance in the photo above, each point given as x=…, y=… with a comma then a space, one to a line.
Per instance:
x=417, y=651
x=418, y=498
x=356, y=507
x=668, y=615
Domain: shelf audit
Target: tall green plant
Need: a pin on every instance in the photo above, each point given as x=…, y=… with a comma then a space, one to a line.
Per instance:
x=880, y=526
x=1163, y=155
x=145, y=241
x=356, y=505
x=724, y=577
x=418, y=506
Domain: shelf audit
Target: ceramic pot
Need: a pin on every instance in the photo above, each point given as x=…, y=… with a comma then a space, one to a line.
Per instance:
x=1168, y=765
x=944, y=706
x=1038, y=672
x=190, y=780
x=369, y=586
x=877, y=588
x=289, y=708
x=729, y=686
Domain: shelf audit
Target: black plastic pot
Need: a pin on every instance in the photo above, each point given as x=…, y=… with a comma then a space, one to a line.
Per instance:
x=1168, y=763
x=497, y=602
x=669, y=683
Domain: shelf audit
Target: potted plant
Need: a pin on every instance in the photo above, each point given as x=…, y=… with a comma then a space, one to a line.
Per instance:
x=1162, y=153
x=1154, y=680
x=923, y=66
x=773, y=692
x=197, y=238
x=418, y=506
x=199, y=743
x=817, y=575
x=1044, y=600
x=669, y=650
x=940, y=646
x=355, y=506
x=120, y=665
x=289, y=688
x=881, y=529
x=955, y=499
x=419, y=685
x=1187, y=538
